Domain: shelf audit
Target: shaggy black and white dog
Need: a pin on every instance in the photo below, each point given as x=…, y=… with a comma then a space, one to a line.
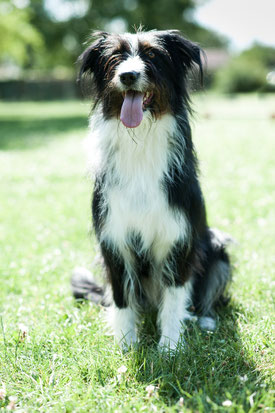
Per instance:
x=148, y=208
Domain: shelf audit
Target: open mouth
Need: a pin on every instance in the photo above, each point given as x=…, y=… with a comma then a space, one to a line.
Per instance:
x=133, y=106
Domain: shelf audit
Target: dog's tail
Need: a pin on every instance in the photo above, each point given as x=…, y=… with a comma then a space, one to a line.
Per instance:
x=84, y=287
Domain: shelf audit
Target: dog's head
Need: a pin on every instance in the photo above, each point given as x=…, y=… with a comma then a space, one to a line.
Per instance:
x=142, y=73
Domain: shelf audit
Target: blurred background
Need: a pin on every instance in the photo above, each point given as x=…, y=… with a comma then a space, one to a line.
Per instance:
x=40, y=40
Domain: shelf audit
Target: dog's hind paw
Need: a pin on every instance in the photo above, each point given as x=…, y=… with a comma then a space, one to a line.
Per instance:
x=207, y=323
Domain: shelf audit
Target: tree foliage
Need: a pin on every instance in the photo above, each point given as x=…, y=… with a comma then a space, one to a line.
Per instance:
x=260, y=53
x=18, y=36
x=248, y=71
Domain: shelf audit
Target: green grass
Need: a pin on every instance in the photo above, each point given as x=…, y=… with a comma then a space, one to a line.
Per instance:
x=66, y=361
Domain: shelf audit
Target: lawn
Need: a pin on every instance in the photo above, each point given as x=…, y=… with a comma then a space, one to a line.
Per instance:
x=56, y=356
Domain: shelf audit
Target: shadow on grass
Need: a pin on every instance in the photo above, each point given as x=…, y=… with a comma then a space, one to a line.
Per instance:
x=20, y=134
x=213, y=368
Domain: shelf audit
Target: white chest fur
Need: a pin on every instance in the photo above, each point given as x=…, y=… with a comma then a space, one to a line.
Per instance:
x=135, y=163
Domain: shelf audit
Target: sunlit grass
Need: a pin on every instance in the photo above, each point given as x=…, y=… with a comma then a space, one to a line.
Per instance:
x=56, y=356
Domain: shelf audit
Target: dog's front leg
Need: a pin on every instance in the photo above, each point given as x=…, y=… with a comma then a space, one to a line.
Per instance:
x=122, y=317
x=124, y=325
x=172, y=313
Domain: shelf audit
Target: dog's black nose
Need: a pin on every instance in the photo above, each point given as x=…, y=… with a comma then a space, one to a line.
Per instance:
x=129, y=78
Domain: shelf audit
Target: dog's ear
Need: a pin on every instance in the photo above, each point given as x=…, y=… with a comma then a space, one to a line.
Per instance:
x=184, y=52
x=89, y=58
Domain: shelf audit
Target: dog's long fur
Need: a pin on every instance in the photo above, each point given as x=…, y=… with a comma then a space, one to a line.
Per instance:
x=148, y=208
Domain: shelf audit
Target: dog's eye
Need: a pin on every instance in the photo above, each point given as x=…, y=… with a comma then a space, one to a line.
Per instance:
x=151, y=54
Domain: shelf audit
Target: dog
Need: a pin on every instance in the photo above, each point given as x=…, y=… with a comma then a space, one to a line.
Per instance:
x=148, y=208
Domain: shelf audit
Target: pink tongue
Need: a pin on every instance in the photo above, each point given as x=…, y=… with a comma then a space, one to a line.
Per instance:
x=131, y=111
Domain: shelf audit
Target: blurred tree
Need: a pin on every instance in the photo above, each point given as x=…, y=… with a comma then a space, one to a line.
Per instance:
x=18, y=36
x=265, y=55
x=154, y=14
x=248, y=71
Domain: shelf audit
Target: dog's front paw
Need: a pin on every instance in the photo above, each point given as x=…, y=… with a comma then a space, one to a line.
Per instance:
x=167, y=344
x=128, y=341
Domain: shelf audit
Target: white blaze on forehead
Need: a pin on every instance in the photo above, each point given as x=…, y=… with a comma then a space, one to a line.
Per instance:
x=135, y=39
x=133, y=42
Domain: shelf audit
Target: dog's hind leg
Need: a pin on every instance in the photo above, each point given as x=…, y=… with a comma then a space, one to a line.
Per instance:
x=215, y=284
x=209, y=287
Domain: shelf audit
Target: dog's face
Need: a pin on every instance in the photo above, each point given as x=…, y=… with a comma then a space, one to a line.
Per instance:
x=137, y=74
